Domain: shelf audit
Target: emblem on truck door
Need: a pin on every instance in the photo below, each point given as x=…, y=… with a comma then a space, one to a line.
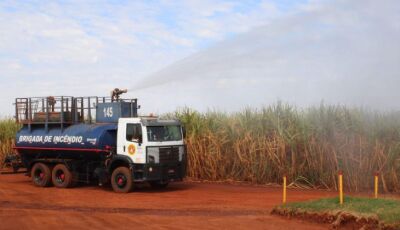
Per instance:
x=131, y=149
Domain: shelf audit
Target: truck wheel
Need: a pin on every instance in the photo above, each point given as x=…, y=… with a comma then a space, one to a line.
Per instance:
x=158, y=184
x=41, y=175
x=121, y=180
x=62, y=177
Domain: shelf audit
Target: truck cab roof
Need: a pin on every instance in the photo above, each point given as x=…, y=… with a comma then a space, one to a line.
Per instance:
x=151, y=121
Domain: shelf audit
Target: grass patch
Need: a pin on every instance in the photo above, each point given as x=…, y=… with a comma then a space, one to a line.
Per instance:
x=386, y=210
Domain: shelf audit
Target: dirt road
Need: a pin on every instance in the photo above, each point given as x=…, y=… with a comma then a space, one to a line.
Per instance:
x=180, y=206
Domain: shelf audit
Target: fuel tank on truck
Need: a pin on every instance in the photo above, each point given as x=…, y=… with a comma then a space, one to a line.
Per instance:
x=75, y=142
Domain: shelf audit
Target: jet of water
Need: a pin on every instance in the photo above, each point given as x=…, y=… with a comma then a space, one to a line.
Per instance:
x=340, y=52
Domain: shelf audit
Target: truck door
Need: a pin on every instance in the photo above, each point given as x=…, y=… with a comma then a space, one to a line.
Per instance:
x=131, y=142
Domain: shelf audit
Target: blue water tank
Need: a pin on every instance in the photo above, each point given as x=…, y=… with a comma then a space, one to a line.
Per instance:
x=68, y=142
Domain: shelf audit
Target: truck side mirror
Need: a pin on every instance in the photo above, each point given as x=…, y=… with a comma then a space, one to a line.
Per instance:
x=140, y=140
x=184, y=132
x=137, y=138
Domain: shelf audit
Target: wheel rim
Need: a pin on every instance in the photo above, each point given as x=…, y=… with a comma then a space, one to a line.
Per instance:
x=38, y=175
x=121, y=180
x=60, y=176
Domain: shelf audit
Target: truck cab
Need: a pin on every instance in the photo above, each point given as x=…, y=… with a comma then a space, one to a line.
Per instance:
x=154, y=148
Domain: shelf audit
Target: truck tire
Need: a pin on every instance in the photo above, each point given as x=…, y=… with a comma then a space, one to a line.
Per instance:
x=158, y=184
x=62, y=177
x=41, y=175
x=121, y=180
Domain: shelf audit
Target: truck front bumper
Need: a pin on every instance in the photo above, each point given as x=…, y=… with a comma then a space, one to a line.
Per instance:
x=158, y=172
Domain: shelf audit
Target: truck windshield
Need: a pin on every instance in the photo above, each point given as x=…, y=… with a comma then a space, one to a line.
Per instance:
x=164, y=133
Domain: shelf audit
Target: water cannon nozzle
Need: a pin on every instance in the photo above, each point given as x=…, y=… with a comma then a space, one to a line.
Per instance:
x=116, y=93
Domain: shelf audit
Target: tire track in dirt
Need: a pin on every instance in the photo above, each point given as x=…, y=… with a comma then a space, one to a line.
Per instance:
x=136, y=211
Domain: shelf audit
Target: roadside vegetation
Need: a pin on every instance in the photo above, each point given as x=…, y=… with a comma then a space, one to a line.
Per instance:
x=309, y=145
x=368, y=212
x=8, y=128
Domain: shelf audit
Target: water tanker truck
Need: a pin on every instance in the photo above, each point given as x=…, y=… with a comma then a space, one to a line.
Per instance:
x=66, y=140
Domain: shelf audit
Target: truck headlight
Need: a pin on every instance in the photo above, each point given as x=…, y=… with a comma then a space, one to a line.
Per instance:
x=153, y=155
x=181, y=152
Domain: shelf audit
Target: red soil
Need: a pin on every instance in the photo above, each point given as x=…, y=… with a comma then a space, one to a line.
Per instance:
x=180, y=206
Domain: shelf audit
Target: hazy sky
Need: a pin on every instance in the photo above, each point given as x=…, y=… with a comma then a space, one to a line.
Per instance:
x=203, y=54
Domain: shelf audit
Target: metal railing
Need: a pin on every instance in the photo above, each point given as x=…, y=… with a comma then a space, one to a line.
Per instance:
x=59, y=110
